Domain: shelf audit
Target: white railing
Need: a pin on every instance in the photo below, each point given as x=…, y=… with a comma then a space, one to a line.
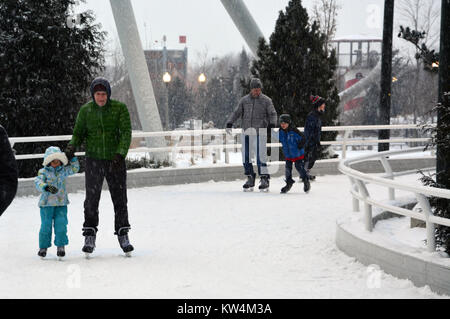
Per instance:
x=360, y=192
x=222, y=141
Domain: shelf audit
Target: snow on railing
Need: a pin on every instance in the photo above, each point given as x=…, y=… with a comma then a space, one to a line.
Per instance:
x=360, y=193
x=226, y=142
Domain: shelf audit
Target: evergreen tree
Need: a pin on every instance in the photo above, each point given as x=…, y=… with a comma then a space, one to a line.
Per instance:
x=221, y=98
x=180, y=102
x=294, y=65
x=46, y=65
x=244, y=64
x=441, y=139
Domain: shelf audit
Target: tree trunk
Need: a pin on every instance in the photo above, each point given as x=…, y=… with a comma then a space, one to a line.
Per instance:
x=386, y=73
x=443, y=160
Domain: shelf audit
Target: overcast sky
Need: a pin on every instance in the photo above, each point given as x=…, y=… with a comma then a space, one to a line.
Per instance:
x=208, y=26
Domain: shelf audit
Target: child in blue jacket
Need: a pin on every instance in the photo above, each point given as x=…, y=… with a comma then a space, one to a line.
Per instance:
x=51, y=182
x=292, y=141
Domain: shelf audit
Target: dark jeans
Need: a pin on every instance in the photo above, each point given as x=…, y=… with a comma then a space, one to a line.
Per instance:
x=96, y=171
x=310, y=158
x=299, y=165
x=251, y=145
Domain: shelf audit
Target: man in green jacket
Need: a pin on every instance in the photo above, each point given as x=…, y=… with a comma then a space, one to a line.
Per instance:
x=104, y=126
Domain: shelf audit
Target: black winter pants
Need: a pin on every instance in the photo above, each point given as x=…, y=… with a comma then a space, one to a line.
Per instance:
x=116, y=177
x=310, y=158
x=299, y=166
x=7, y=194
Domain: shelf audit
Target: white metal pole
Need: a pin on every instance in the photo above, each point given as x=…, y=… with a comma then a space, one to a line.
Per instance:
x=426, y=208
x=367, y=207
x=245, y=23
x=388, y=170
x=138, y=72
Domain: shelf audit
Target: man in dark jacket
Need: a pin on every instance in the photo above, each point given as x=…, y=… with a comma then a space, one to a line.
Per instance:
x=104, y=126
x=258, y=116
x=8, y=172
x=313, y=127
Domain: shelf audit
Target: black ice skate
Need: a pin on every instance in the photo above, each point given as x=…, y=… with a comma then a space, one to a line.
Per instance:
x=311, y=177
x=306, y=185
x=42, y=253
x=122, y=236
x=89, y=234
x=264, y=183
x=60, y=252
x=288, y=186
x=250, y=184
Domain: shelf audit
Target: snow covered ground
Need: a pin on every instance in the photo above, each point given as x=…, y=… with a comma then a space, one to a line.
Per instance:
x=207, y=240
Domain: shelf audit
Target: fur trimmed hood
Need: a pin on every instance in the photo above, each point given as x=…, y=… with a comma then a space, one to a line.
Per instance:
x=54, y=153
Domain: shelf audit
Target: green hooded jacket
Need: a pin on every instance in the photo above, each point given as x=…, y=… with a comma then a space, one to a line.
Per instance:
x=106, y=130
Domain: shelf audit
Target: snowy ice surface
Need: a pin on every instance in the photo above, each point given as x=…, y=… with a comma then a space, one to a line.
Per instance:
x=206, y=240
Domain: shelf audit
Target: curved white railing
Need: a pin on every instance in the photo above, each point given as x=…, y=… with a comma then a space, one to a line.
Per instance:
x=360, y=193
x=223, y=141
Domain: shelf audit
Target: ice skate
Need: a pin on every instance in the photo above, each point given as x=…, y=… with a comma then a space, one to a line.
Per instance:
x=42, y=253
x=306, y=185
x=61, y=253
x=89, y=241
x=264, y=184
x=122, y=236
x=288, y=187
x=250, y=184
x=310, y=177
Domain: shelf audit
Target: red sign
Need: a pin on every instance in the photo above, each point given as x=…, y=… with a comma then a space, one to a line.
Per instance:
x=182, y=39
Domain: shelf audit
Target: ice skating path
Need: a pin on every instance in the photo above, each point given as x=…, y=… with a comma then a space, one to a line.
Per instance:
x=206, y=240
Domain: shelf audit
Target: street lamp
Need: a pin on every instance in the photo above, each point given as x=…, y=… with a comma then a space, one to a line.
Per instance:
x=166, y=79
x=202, y=78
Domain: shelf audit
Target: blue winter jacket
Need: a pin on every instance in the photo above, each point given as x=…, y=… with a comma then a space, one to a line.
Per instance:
x=55, y=177
x=292, y=141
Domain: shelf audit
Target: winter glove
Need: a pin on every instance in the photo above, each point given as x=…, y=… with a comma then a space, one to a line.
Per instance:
x=301, y=144
x=51, y=189
x=117, y=162
x=70, y=151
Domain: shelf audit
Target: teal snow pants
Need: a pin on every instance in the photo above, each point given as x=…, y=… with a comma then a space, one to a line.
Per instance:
x=58, y=214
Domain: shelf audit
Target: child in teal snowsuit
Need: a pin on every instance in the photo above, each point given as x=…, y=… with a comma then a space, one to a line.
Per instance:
x=51, y=182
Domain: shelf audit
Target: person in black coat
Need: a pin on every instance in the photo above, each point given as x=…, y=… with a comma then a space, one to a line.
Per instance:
x=313, y=128
x=8, y=172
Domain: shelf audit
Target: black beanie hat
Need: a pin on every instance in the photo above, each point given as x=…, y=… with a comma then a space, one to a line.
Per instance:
x=285, y=118
x=316, y=101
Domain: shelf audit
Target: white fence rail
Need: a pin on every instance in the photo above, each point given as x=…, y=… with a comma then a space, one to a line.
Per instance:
x=360, y=192
x=218, y=140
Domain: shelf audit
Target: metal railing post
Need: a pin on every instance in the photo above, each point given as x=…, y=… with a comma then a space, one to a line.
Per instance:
x=367, y=207
x=227, y=153
x=174, y=150
x=388, y=169
x=355, y=200
x=344, y=143
x=426, y=208
x=192, y=150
